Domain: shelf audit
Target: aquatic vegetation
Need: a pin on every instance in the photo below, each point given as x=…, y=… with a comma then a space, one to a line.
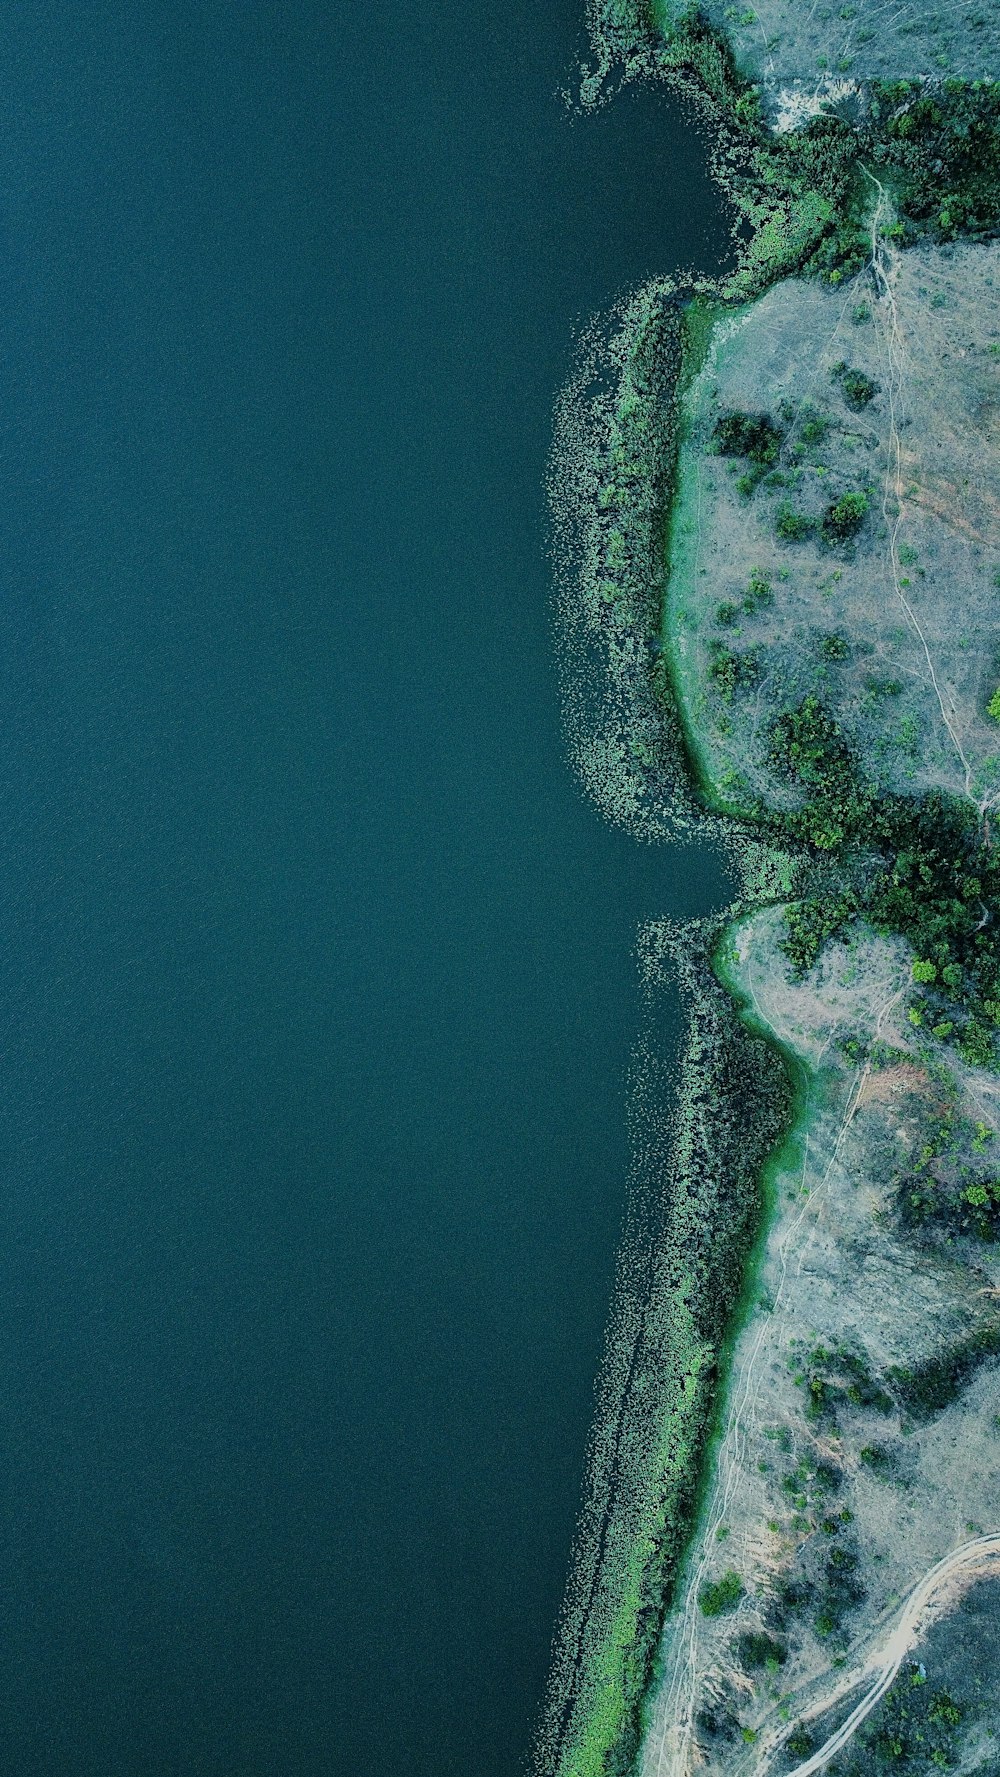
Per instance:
x=697, y=1207
x=610, y=492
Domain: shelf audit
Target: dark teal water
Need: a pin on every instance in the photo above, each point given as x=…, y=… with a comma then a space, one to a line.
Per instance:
x=316, y=984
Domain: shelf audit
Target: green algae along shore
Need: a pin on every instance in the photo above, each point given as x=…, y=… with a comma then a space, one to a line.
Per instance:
x=803, y=206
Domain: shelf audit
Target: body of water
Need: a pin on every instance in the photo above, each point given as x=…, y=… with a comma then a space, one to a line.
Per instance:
x=315, y=969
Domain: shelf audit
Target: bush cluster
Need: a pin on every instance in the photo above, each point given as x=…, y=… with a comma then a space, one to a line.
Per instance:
x=843, y=518
x=941, y=147
x=718, y=1597
x=857, y=388
x=752, y=435
x=936, y=881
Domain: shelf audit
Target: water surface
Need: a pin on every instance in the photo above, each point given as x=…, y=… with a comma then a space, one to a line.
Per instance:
x=316, y=971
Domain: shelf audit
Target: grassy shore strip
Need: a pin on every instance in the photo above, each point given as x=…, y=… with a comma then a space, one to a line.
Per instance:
x=705, y=324
x=682, y=1268
x=611, y=488
x=685, y=1272
x=789, y=1111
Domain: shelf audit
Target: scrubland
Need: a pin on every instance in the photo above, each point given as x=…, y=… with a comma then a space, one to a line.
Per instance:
x=779, y=610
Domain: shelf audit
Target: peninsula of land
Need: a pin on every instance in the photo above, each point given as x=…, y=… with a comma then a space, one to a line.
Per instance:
x=778, y=502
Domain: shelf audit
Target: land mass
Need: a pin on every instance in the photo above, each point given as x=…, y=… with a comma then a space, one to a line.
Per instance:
x=777, y=497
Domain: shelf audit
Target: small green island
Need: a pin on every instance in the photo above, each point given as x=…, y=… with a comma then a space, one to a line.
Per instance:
x=777, y=507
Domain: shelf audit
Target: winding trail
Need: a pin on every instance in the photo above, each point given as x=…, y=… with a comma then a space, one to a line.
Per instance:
x=882, y=1665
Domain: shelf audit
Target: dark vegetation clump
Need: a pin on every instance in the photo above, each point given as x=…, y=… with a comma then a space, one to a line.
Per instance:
x=792, y=526
x=718, y=1597
x=912, y=1730
x=857, y=388
x=791, y=1597
x=931, y=876
x=752, y=435
x=814, y=429
x=835, y=647
x=759, y=592
x=929, y=1387
x=942, y=148
x=878, y=1459
x=811, y=923
x=840, y=1590
x=757, y=1650
x=807, y=748
x=731, y=672
x=860, y=1387
x=841, y=1380
x=717, y=1721
x=843, y=518
x=799, y=1744
x=972, y=1210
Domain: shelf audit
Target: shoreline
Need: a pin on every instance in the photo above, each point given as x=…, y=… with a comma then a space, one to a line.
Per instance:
x=806, y=215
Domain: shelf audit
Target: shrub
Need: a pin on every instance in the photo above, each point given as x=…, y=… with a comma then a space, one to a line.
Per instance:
x=858, y=389
x=752, y=435
x=993, y=707
x=791, y=526
x=732, y=672
x=759, y=591
x=757, y=1649
x=877, y=1458
x=843, y=519
x=862, y=1388
x=834, y=647
x=945, y=1710
x=815, y=429
x=976, y=1044
x=721, y=1596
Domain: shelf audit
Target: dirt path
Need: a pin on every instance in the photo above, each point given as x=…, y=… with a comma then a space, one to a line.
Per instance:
x=969, y=1561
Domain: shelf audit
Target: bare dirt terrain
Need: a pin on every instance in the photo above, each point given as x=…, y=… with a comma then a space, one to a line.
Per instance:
x=898, y=627
x=805, y=54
